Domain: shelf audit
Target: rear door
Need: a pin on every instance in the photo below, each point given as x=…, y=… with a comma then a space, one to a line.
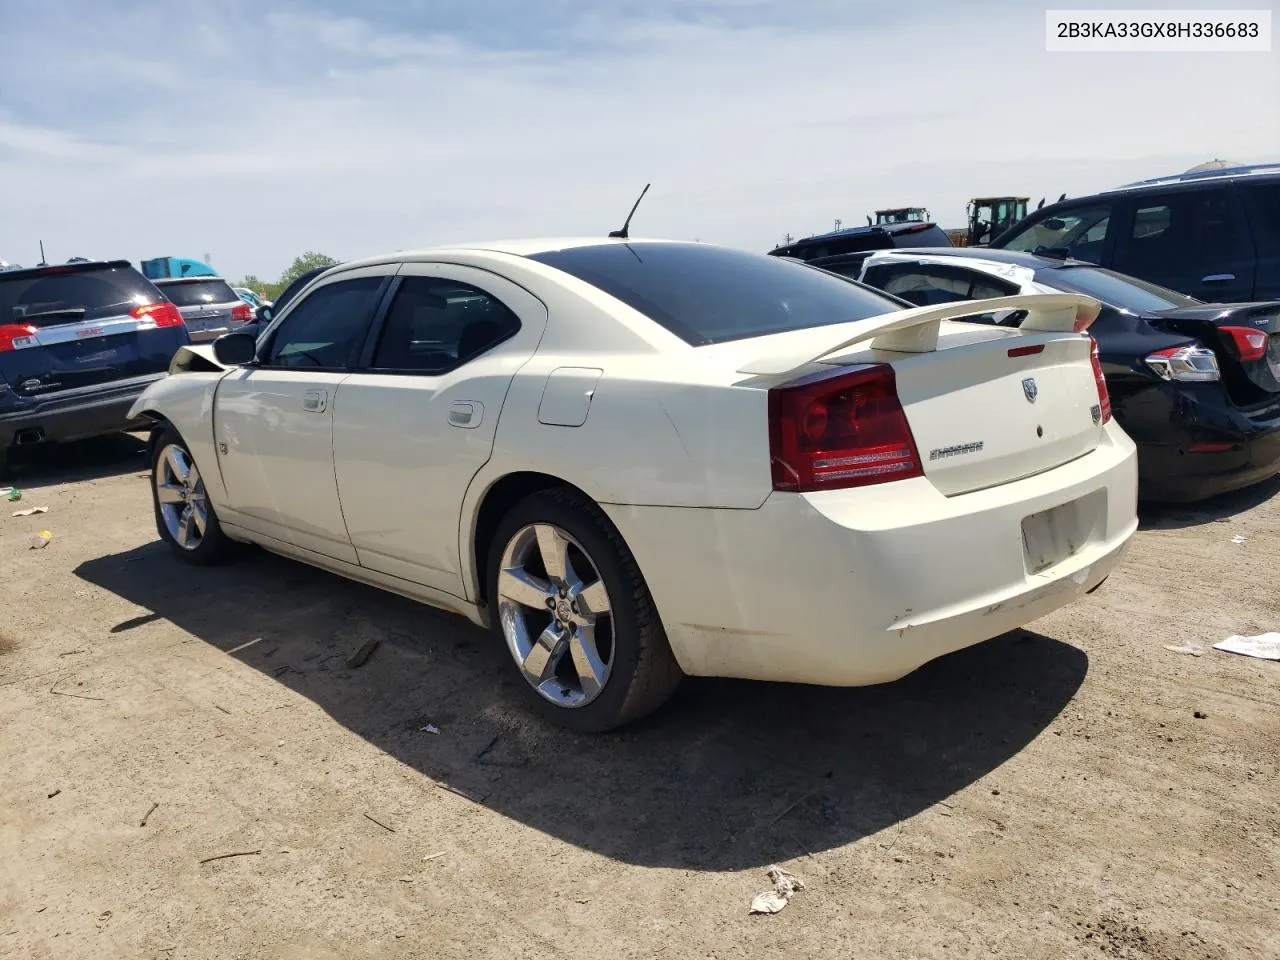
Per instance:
x=416, y=422
x=207, y=304
x=70, y=327
x=1193, y=239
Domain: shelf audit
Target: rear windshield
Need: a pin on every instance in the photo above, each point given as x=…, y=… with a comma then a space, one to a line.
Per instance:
x=705, y=294
x=1115, y=289
x=51, y=298
x=195, y=293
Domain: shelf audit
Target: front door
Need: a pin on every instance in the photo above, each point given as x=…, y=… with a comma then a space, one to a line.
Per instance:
x=415, y=424
x=273, y=420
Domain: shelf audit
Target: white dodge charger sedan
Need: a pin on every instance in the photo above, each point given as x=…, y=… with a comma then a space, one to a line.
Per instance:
x=634, y=460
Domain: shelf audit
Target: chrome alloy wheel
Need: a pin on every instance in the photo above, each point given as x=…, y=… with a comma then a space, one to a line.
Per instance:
x=180, y=493
x=555, y=615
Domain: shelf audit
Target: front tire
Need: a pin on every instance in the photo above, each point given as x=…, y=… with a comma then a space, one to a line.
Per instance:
x=571, y=607
x=185, y=519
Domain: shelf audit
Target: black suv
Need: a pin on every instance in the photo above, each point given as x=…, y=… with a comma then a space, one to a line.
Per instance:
x=78, y=343
x=1211, y=234
x=842, y=251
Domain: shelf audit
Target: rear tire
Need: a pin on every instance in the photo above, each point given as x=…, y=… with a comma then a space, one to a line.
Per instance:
x=185, y=518
x=582, y=632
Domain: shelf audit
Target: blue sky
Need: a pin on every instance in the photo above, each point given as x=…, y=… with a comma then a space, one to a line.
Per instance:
x=252, y=131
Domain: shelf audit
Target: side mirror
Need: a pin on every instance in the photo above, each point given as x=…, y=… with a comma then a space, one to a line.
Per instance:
x=262, y=314
x=235, y=349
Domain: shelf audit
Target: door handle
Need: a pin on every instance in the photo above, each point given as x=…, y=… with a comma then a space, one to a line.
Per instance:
x=1218, y=278
x=315, y=401
x=466, y=414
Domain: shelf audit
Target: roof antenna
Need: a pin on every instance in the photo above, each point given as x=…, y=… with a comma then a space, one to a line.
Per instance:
x=623, y=234
x=43, y=261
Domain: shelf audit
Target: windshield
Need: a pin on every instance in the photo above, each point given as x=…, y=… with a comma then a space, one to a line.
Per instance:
x=196, y=293
x=1114, y=289
x=705, y=294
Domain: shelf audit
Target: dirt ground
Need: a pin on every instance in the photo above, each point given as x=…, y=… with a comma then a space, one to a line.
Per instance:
x=1071, y=790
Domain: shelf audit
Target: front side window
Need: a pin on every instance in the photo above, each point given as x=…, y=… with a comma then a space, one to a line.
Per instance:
x=325, y=329
x=1079, y=233
x=435, y=325
x=1264, y=210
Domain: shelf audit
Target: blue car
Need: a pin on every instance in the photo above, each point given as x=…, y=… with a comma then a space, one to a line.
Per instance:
x=78, y=343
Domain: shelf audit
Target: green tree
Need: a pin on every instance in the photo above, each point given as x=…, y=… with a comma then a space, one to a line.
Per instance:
x=308, y=261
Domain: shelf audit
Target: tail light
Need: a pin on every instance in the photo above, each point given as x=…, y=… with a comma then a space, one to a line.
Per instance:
x=1188, y=364
x=16, y=336
x=1250, y=344
x=241, y=313
x=162, y=314
x=1104, y=395
x=837, y=430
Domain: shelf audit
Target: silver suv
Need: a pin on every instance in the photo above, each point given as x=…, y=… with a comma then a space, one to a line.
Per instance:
x=208, y=305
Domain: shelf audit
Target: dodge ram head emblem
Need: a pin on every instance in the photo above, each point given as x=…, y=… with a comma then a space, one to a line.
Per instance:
x=1029, y=388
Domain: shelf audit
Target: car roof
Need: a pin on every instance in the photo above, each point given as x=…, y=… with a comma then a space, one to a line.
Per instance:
x=170, y=281
x=1191, y=176
x=516, y=248
x=909, y=226
x=1011, y=257
x=53, y=269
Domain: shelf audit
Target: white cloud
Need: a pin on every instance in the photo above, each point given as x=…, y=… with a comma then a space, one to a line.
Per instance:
x=254, y=138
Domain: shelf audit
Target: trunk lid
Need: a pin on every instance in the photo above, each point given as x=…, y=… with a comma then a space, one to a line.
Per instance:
x=987, y=408
x=206, y=305
x=986, y=405
x=74, y=328
x=1248, y=382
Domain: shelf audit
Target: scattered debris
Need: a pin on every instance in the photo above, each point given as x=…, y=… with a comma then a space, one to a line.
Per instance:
x=30, y=511
x=364, y=652
x=279, y=743
x=71, y=653
x=55, y=793
x=784, y=886
x=147, y=815
x=582, y=900
x=1239, y=539
x=405, y=879
x=1200, y=715
x=432, y=856
x=104, y=918
x=1191, y=649
x=41, y=540
x=12, y=493
x=1265, y=646
x=429, y=728
x=237, y=853
x=379, y=823
x=64, y=693
x=488, y=746
x=219, y=706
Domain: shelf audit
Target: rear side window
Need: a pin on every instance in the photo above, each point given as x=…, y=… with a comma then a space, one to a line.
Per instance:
x=435, y=325
x=195, y=293
x=705, y=294
x=1114, y=289
x=1180, y=231
x=1264, y=210
x=929, y=285
x=51, y=298
x=1080, y=233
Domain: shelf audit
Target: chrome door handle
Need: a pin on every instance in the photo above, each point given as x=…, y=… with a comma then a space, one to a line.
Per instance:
x=315, y=401
x=1218, y=278
x=466, y=414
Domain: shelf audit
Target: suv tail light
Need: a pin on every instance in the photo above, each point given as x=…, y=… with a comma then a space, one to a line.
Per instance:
x=842, y=429
x=16, y=336
x=162, y=314
x=1250, y=344
x=1104, y=395
x=241, y=313
x=1191, y=363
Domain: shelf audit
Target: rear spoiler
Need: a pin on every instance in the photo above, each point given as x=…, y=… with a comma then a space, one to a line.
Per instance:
x=916, y=330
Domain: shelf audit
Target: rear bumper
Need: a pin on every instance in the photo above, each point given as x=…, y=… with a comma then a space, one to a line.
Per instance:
x=857, y=587
x=76, y=415
x=1181, y=432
